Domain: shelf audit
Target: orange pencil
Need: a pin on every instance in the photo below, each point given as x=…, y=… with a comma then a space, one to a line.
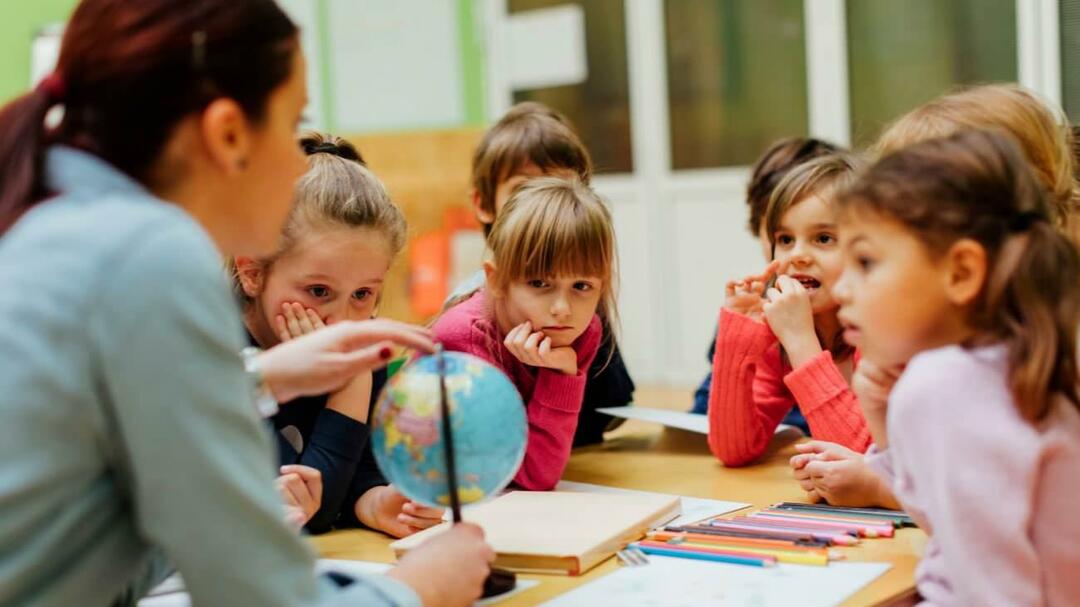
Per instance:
x=707, y=550
x=663, y=536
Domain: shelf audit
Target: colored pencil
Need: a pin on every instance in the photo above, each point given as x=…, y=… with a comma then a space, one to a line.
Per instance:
x=832, y=537
x=900, y=517
x=829, y=516
x=817, y=522
x=664, y=536
x=805, y=539
x=783, y=556
x=702, y=555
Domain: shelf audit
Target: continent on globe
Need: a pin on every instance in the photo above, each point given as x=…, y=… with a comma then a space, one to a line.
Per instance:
x=487, y=417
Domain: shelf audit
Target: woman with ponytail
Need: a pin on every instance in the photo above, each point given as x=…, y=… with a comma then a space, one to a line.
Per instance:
x=131, y=444
x=955, y=271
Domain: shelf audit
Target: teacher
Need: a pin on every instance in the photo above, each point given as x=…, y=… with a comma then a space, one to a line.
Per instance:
x=129, y=441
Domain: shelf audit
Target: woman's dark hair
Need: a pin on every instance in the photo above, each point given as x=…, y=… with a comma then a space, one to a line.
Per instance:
x=129, y=72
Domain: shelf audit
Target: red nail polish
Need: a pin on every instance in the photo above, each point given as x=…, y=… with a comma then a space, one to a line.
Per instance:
x=385, y=353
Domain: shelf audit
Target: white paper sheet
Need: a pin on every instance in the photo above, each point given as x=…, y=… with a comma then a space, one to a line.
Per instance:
x=694, y=509
x=672, y=582
x=691, y=422
x=170, y=592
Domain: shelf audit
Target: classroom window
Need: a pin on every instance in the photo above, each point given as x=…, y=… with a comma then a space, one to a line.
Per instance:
x=1069, y=19
x=902, y=54
x=736, y=73
x=599, y=107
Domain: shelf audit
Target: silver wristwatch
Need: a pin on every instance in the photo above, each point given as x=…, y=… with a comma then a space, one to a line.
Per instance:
x=264, y=400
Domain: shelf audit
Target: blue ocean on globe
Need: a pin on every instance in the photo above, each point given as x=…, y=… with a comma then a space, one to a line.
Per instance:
x=487, y=418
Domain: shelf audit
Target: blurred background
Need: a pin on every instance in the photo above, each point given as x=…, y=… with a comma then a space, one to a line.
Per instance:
x=674, y=98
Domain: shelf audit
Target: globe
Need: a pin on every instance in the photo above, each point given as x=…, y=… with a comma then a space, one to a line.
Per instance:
x=487, y=419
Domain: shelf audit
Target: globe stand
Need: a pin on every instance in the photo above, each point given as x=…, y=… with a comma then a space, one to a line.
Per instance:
x=499, y=581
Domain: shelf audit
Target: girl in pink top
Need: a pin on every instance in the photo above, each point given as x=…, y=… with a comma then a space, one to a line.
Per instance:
x=538, y=318
x=954, y=268
x=780, y=344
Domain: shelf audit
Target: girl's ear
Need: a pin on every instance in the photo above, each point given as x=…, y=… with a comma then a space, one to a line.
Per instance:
x=250, y=274
x=965, y=271
x=482, y=215
x=489, y=278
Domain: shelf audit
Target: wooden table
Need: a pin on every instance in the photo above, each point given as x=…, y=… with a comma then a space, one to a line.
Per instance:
x=643, y=456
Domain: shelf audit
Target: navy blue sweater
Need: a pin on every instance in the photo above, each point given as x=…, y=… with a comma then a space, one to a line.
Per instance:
x=337, y=446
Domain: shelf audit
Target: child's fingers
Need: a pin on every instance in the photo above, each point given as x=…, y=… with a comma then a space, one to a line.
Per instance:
x=296, y=488
x=545, y=348
x=311, y=476
x=419, y=523
x=770, y=270
x=729, y=290
x=291, y=321
x=817, y=469
x=798, y=461
x=422, y=511
x=532, y=342
x=302, y=319
x=314, y=318
x=281, y=328
x=773, y=294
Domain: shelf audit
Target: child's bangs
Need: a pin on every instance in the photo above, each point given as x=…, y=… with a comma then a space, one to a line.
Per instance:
x=560, y=240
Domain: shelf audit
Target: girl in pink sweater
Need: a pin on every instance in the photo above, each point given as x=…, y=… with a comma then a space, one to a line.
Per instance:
x=954, y=268
x=538, y=318
x=779, y=343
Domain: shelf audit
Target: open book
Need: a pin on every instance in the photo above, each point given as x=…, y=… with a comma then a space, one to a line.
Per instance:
x=558, y=532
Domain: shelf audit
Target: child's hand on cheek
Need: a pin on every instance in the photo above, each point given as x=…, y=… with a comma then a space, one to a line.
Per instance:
x=873, y=383
x=747, y=296
x=534, y=349
x=295, y=321
x=790, y=316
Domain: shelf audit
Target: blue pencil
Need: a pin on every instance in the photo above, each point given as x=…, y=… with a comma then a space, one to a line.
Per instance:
x=705, y=556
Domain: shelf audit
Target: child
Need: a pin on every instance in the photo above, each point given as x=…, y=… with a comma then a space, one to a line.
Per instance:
x=550, y=282
x=778, y=344
x=769, y=169
x=533, y=140
x=834, y=473
x=954, y=268
x=342, y=234
x=1040, y=128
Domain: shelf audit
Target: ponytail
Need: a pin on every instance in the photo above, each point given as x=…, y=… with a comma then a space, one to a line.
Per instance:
x=131, y=72
x=1035, y=305
x=22, y=151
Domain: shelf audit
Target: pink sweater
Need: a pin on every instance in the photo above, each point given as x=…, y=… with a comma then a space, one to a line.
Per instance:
x=553, y=399
x=753, y=389
x=997, y=495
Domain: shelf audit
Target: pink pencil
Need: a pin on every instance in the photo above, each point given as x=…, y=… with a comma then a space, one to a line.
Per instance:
x=862, y=529
x=794, y=533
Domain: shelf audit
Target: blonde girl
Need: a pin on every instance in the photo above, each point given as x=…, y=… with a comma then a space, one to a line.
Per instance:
x=550, y=281
x=337, y=245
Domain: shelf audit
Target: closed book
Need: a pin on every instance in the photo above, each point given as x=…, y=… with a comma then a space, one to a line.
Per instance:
x=557, y=532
